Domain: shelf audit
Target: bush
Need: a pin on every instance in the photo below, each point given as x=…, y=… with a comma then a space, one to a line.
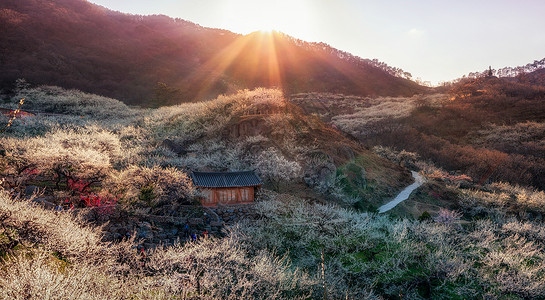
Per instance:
x=447, y=217
x=151, y=185
x=424, y=216
x=275, y=168
x=84, y=154
x=51, y=99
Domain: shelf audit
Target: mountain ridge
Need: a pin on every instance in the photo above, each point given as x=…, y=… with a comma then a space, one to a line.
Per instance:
x=157, y=60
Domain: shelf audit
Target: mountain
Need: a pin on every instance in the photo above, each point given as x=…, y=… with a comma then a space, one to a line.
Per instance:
x=157, y=60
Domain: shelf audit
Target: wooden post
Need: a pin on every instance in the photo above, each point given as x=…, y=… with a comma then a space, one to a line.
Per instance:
x=323, y=273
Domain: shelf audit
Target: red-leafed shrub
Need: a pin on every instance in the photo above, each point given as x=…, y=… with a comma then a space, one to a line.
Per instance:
x=78, y=185
x=103, y=203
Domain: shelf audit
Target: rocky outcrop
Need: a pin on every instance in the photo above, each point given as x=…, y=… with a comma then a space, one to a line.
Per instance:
x=248, y=127
x=319, y=170
x=173, y=146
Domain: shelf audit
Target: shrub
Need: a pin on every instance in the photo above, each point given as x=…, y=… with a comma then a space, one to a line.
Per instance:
x=83, y=154
x=51, y=99
x=104, y=203
x=190, y=121
x=447, y=217
x=424, y=216
x=500, y=199
x=152, y=185
x=13, y=115
x=374, y=111
x=275, y=168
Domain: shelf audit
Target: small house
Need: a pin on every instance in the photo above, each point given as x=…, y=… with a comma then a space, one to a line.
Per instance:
x=226, y=187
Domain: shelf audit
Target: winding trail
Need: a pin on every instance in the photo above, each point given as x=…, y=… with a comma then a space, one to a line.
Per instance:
x=404, y=194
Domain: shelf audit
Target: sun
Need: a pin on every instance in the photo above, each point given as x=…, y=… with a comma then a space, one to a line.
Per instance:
x=267, y=30
x=288, y=16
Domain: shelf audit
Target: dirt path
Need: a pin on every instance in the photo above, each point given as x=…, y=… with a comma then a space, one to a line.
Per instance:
x=404, y=194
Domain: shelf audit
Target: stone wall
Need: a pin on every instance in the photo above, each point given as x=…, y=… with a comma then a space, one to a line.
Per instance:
x=190, y=223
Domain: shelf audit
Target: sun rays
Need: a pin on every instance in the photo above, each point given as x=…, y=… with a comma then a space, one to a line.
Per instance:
x=253, y=57
x=275, y=60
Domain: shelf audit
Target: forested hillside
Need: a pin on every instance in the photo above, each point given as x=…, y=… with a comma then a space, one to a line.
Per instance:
x=489, y=128
x=157, y=60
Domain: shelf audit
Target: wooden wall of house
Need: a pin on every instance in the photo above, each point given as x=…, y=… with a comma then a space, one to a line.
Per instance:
x=215, y=196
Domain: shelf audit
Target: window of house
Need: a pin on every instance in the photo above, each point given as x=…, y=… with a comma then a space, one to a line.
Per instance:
x=245, y=194
x=225, y=196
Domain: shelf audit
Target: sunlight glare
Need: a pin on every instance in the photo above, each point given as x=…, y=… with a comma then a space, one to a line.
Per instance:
x=266, y=30
x=247, y=16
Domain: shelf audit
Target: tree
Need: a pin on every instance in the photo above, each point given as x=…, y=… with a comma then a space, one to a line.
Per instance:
x=165, y=94
x=275, y=168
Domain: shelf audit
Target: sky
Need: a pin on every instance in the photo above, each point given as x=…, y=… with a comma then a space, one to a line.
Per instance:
x=435, y=40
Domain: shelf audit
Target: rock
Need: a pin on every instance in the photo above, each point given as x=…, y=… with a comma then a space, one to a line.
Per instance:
x=115, y=213
x=319, y=170
x=145, y=235
x=216, y=224
x=196, y=221
x=145, y=225
x=31, y=189
x=122, y=230
x=174, y=147
x=38, y=200
x=464, y=184
x=48, y=205
x=248, y=127
x=346, y=152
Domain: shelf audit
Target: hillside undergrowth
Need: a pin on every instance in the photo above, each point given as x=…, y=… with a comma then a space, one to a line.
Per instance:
x=314, y=234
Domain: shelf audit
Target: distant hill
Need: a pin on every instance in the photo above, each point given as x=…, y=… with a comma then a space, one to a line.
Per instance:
x=491, y=128
x=536, y=66
x=157, y=60
x=536, y=77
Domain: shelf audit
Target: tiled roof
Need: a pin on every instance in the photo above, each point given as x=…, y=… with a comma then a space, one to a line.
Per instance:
x=225, y=179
